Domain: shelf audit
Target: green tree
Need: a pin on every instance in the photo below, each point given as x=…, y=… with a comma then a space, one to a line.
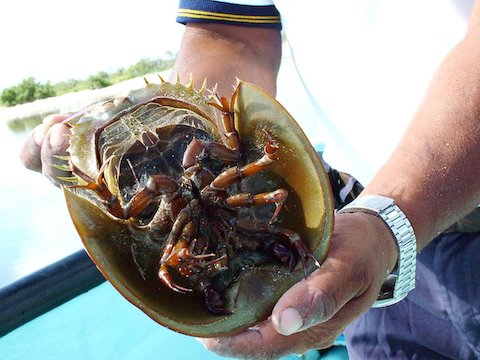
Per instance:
x=27, y=91
x=8, y=96
x=99, y=80
x=44, y=91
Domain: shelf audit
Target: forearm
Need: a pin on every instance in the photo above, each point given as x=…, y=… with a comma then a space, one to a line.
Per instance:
x=222, y=52
x=434, y=172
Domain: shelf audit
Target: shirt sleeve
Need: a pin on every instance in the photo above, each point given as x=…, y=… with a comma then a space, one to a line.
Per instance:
x=265, y=14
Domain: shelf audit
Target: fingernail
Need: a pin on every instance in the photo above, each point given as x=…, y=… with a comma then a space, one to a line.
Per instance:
x=290, y=321
x=57, y=139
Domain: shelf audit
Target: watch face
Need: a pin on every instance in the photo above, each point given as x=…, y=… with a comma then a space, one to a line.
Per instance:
x=386, y=292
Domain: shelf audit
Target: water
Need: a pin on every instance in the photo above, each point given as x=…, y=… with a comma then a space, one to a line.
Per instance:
x=99, y=324
x=35, y=229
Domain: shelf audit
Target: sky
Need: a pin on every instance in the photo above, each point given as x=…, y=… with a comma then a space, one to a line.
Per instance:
x=55, y=40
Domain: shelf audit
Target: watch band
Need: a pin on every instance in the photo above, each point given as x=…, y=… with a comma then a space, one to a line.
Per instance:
x=401, y=281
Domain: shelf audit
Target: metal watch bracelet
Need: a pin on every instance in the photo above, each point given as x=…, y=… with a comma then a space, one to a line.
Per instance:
x=402, y=280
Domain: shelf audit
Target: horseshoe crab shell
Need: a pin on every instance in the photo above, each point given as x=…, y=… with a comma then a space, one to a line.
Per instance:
x=308, y=210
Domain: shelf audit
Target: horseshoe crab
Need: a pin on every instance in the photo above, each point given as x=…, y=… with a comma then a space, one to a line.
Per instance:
x=200, y=210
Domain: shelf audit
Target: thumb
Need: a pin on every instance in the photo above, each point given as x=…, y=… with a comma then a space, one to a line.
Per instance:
x=306, y=304
x=320, y=296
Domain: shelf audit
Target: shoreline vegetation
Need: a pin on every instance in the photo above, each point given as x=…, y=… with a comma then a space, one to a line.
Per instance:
x=29, y=89
x=32, y=101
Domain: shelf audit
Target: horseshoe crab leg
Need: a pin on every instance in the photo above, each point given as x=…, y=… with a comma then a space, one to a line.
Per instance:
x=156, y=185
x=230, y=150
x=297, y=247
x=176, y=250
x=198, y=149
x=99, y=186
x=276, y=197
x=232, y=138
x=235, y=174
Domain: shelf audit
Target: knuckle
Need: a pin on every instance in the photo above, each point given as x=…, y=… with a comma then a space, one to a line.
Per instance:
x=47, y=165
x=30, y=155
x=327, y=304
x=38, y=135
x=322, y=307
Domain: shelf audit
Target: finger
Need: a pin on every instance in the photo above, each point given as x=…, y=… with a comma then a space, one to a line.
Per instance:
x=260, y=342
x=264, y=342
x=30, y=152
x=31, y=149
x=55, y=144
x=55, y=119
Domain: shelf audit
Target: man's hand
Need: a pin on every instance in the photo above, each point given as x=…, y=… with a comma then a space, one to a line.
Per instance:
x=315, y=311
x=45, y=141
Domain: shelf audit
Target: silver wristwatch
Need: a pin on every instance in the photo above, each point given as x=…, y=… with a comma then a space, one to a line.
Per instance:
x=400, y=282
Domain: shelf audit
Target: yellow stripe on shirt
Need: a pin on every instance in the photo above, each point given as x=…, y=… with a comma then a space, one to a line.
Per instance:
x=197, y=14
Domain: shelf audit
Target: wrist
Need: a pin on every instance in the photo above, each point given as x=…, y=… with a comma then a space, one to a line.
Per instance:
x=388, y=248
x=399, y=227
